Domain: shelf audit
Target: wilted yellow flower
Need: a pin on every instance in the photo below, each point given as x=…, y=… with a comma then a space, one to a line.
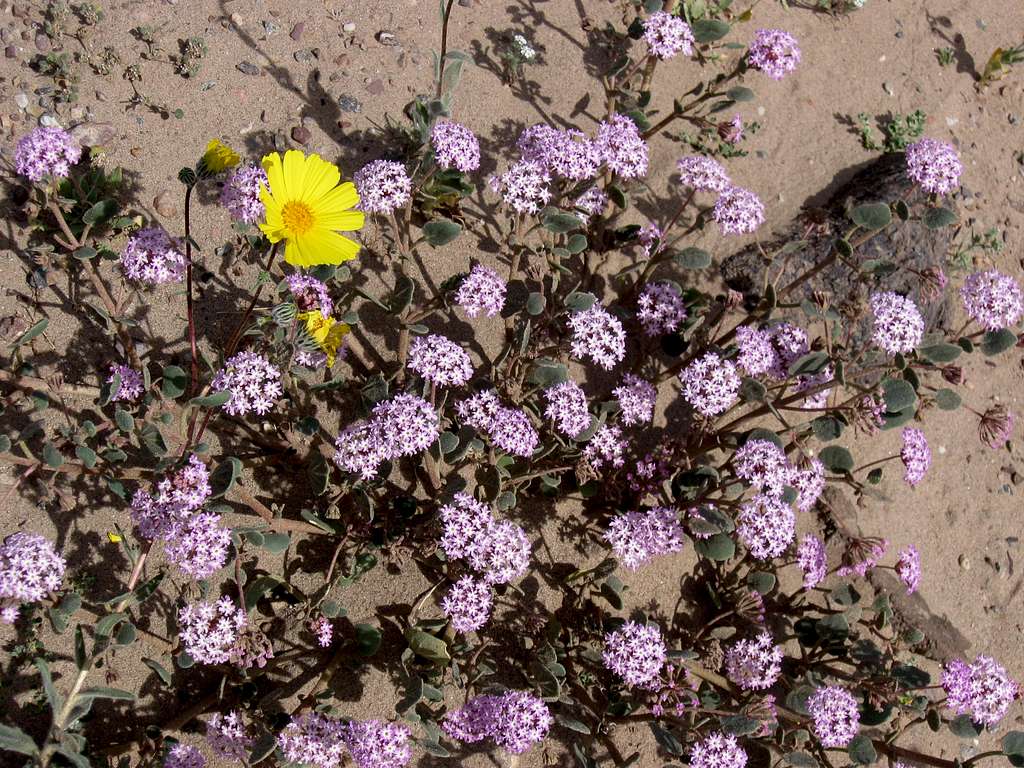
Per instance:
x=327, y=332
x=306, y=207
x=114, y=538
x=219, y=157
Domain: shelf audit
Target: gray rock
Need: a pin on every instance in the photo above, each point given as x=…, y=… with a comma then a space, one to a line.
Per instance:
x=247, y=68
x=349, y=103
x=94, y=134
x=43, y=43
x=303, y=54
x=11, y=52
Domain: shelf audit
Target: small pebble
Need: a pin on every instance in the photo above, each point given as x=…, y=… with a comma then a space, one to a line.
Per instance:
x=303, y=54
x=349, y=27
x=11, y=52
x=386, y=38
x=21, y=99
x=297, y=31
x=247, y=68
x=301, y=134
x=164, y=203
x=43, y=43
x=349, y=103
x=965, y=562
x=236, y=19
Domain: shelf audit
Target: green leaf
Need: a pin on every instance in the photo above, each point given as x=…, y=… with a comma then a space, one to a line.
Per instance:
x=159, y=668
x=441, y=231
x=224, y=476
x=55, y=700
x=936, y=218
x=753, y=391
x=827, y=428
x=898, y=395
x=124, y=420
x=761, y=582
x=546, y=372
x=174, y=382
x=214, y=400
x=535, y=303
x=52, y=456
x=401, y=298
x=942, y=352
x=85, y=253
x=692, y=258
x=800, y=760
x=666, y=740
x=719, y=547
x=709, y=30
x=1013, y=747
x=844, y=247
x=872, y=215
x=61, y=613
x=99, y=692
x=31, y=333
x=947, y=399
x=740, y=725
x=964, y=727
x=740, y=93
x=576, y=244
x=809, y=364
x=427, y=646
x=572, y=725
x=580, y=301
x=861, y=750
x=86, y=455
x=276, y=543
x=560, y=223
x=101, y=211
x=368, y=639
x=16, y=740
x=836, y=459
x=997, y=342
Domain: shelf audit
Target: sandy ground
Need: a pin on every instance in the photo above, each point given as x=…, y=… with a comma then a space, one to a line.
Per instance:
x=965, y=517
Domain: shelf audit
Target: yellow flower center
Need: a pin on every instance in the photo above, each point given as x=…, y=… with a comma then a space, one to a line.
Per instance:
x=298, y=217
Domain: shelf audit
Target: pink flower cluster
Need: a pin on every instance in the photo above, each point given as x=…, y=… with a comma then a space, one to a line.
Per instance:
x=240, y=194
x=992, y=299
x=606, y=447
x=509, y=429
x=754, y=664
x=566, y=153
x=455, y=146
x=130, y=387
x=636, y=537
x=983, y=689
x=835, y=714
x=567, y=408
x=637, y=398
x=402, y=426
x=710, y=384
x=703, y=174
x=481, y=291
x=667, y=35
x=320, y=741
x=383, y=186
x=598, y=335
x=515, y=721
x=718, y=750
x=152, y=257
x=915, y=455
x=660, y=308
x=636, y=653
x=524, y=187
x=253, y=382
x=622, y=148
x=934, y=166
x=46, y=151
x=211, y=631
x=774, y=52
x=310, y=294
x=468, y=604
x=228, y=736
x=899, y=326
x=30, y=569
x=440, y=361
x=498, y=550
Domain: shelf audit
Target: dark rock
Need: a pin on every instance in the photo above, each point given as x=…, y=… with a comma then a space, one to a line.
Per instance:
x=386, y=38
x=908, y=245
x=297, y=30
x=303, y=54
x=247, y=68
x=301, y=134
x=43, y=43
x=11, y=52
x=349, y=103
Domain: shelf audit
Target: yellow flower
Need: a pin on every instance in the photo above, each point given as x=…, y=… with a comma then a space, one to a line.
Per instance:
x=306, y=207
x=219, y=157
x=327, y=332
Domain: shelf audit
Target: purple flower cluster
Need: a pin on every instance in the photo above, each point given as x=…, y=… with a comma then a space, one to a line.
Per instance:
x=184, y=756
x=498, y=550
x=567, y=408
x=566, y=153
x=774, y=52
x=605, y=447
x=908, y=567
x=622, y=148
x=915, y=455
x=47, y=151
x=992, y=299
x=482, y=290
x=810, y=556
x=177, y=497
x=835, y=715
x=310, y=294
x=757, y=354
x=899, y=326
x=468, y=604
x=754, y=664
x=455, y=146
x=383, y=186
x=152, y=257
x=375, y=744
x=130, y=388
x=704, y=174
x=253, y=382
x=763, y=465
x=402, y=426
x=30, y=569
x=598, y=334
x=718, y=750
x=861, y=555
x=790, y=344
x=983, y=689
x=508, y=428
x=591, y=203
x=198, y=545
x=738, y=211
x=515, y=721
x=934, y=166
x=710, y=384
x=636, y=398
x=809, y=482
x=636, y=653
x=660, y=308
x=440, y=361
x=210, y=631
x=240, y=194
x=636, y=537
x=323, y=629
x=312, y=739
x=524, y=187
x=767, y=526
x=228, y=736
x=650, y=237
x=666, y=35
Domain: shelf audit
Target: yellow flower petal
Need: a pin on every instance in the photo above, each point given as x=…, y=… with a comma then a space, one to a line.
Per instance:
x=340, y=198
x=347, y=221
x=321, y=177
